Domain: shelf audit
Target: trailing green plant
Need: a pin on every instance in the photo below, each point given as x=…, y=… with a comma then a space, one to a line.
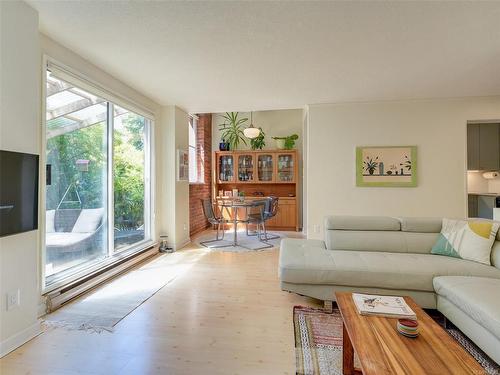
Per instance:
x=258, y=143
x=232, y=129
x=289, y=142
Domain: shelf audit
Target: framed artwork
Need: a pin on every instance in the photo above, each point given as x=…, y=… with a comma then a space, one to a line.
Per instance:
x=182, y=165
x=386, y=166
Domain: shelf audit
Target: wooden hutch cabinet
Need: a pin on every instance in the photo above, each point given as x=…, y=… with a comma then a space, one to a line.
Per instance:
x=261, y=173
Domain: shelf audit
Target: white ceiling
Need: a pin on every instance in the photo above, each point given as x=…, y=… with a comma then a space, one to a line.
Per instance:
x=213, y=57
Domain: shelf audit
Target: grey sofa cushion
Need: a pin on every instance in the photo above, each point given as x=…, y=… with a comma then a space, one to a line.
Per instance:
x=303, y=264
x=388, y=241
x=478, y=297
x=362, y=223
x=421, y=224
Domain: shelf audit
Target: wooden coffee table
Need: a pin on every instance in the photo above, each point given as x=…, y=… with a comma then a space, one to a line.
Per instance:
x=382, y=350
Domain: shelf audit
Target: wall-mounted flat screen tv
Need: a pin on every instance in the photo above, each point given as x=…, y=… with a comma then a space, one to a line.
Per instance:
x=18, y=192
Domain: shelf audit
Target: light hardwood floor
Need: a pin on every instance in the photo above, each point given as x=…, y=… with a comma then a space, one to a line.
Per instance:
x=225, y=314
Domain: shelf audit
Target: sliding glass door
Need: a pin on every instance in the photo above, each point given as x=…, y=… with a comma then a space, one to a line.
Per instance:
x=129, y=178
x=97, y=180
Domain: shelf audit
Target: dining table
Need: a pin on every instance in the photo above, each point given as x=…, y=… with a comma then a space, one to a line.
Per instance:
x=237, y=203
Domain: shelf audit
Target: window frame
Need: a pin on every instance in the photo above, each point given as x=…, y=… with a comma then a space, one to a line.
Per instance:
x=113, y=256
x=193, y=122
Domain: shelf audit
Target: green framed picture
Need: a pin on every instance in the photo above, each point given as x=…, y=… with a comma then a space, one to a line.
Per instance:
x=386, y=166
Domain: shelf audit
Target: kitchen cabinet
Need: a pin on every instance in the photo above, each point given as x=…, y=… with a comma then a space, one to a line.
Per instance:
x=472, y=212
x=483, y=146
x=489, y=147
x=473, y=147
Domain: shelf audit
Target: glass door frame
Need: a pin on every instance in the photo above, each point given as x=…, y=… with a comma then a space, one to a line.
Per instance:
x=149, y=230
x=220, y=155
x=293, y=155
x=273, y=168
x=237, y=155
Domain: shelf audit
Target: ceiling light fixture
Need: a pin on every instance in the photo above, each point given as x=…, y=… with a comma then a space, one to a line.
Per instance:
x=251, y=132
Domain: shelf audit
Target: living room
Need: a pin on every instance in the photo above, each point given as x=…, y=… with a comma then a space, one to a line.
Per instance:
x=196, y=187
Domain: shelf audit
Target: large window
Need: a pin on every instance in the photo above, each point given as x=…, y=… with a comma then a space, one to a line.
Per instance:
x=97, y=180
x=193, y=155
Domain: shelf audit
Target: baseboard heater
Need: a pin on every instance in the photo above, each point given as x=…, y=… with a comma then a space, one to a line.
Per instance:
x=63, y=295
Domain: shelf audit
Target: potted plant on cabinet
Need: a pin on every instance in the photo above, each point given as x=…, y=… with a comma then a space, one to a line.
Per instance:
x=286, y=143
x=258, y=142
x=232, y=129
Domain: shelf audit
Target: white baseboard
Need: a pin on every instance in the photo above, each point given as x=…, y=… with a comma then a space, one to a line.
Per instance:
x=42, y=307
x=181, y=244
x=19, y=339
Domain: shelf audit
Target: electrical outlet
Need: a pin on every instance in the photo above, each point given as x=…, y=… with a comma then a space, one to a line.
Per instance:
x=13, y=299
x=316, y=228
x=185, y=227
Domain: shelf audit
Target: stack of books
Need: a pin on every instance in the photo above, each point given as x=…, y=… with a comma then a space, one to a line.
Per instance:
x=387, y=306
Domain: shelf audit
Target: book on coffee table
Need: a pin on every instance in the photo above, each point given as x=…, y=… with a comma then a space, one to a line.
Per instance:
x=387, y=306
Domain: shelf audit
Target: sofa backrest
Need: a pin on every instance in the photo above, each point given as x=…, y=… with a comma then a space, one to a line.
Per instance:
x=379, y=233
x=389, y=234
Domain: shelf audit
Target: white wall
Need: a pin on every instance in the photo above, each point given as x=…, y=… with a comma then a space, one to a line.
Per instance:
x=437, y=127
x=494, y=186
x=19, y=131
x=476, y=182
x=277, y=123
x=172, y=195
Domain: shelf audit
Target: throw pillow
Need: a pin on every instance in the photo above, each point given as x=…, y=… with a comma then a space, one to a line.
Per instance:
x=471, y=240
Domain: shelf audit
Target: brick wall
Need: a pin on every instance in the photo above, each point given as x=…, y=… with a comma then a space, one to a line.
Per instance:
x=197, y=221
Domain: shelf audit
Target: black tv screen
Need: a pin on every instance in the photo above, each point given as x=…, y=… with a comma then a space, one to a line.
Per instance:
x=18, y=192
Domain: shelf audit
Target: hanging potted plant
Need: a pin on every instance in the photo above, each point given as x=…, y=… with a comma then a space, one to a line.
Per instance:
x=232, y=129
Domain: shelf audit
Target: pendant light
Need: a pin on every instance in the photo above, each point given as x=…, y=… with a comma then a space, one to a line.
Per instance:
x=251, y=132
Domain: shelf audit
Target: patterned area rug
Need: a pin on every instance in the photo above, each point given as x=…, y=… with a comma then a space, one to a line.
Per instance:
x=318, y=343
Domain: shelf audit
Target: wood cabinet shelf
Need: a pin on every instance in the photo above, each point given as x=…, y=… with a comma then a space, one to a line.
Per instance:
x=261, y=173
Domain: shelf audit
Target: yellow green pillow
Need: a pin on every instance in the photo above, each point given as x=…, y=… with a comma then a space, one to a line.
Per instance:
x=471, y=240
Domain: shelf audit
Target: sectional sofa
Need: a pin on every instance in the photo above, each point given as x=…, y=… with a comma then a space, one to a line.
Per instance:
x=391, y=256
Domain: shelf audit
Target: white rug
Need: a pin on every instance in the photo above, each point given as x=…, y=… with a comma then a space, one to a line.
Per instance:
x=246, y=243
x=103, y=308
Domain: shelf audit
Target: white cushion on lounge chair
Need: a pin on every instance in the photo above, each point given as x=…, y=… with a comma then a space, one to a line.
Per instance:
x=88, y=221
x=65, y=238
x=49, y=221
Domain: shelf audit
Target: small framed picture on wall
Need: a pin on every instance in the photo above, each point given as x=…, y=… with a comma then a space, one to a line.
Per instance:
x=386, y=166
x=182, y=165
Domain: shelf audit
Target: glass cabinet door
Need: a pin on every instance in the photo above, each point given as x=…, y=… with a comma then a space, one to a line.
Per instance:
x=245, y=168
x=265, y=167
x=286, y=168
x=226, y=168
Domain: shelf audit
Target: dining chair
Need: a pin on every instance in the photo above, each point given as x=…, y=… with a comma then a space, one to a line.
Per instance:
x=212, y=218
x=268, y=210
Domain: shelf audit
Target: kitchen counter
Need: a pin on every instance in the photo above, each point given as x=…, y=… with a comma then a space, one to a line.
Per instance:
x=485, y=194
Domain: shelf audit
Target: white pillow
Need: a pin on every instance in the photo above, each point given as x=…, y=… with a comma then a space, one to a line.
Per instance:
x=88, y=220
x=49, y=221
x=471, y=240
